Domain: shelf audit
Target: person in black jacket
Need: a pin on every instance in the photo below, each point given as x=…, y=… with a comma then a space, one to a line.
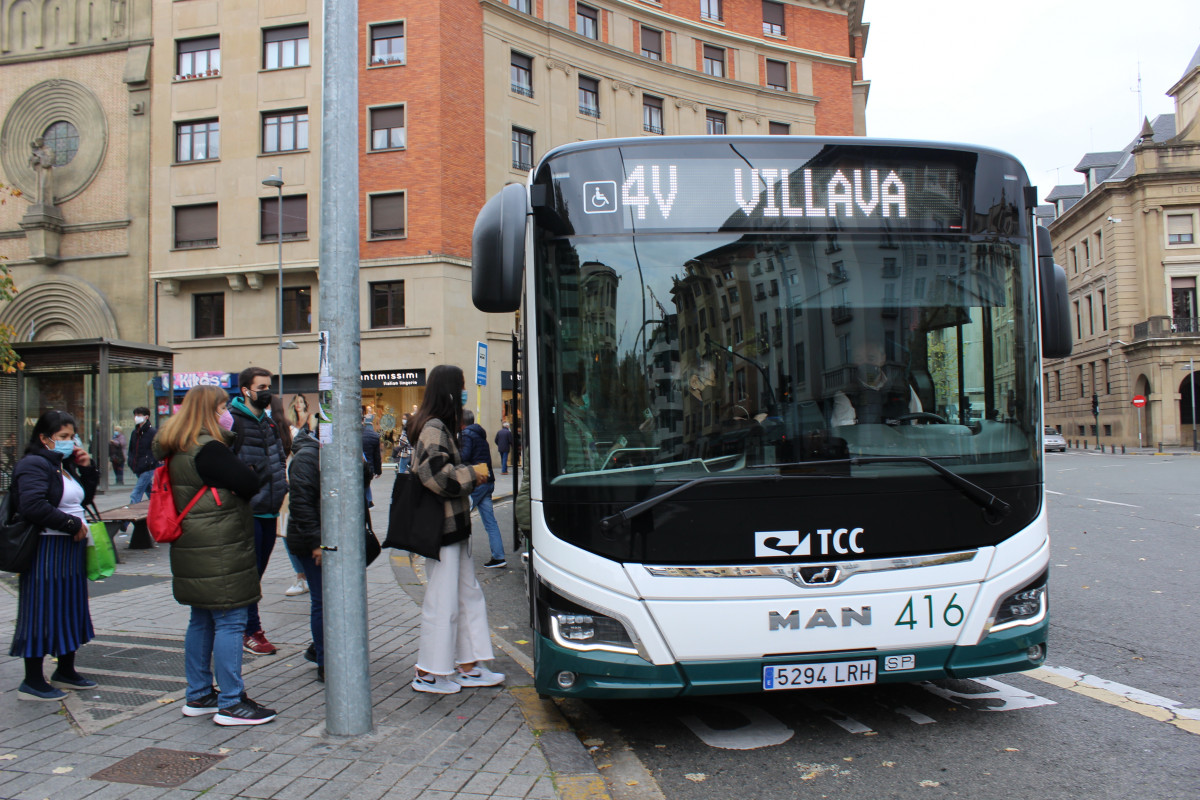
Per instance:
x=473, y=446
x=304, y=531
x=141, y=457
x=53, y=482
x=370, y=443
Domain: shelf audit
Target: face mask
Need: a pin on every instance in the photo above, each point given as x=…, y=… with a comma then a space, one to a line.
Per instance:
x=64, y=447
x=464, y=398
x=139, y=419
x=587, y=401
x=225, y=420
x=261, y=400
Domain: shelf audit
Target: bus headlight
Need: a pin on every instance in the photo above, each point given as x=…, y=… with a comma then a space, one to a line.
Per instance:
x=577, y=627
x=1027, y=606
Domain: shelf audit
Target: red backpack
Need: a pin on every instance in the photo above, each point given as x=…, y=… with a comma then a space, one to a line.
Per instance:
x=162, y=520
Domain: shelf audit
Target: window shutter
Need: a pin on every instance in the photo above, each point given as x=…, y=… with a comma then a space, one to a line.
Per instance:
x=286, y=34
x=393, y=31
x=772, y=13
x=777, y=73
x=198, y=45
x=1179, y=224
x=714, y=53
x=387, y=214
x=196, y=223
x=652, y=40
x=387, y=117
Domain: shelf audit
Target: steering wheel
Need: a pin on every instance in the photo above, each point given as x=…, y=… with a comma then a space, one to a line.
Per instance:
x=923, y=416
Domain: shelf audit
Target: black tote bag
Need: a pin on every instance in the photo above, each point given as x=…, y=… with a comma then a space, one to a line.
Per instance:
x=416, y=518
x=18, y=536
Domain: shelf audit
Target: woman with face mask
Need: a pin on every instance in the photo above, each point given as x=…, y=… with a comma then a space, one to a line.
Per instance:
x=53, y=483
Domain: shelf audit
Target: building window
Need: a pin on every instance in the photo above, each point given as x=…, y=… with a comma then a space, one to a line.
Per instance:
x=521, y=74
x=197, y=141
x=522, y=149
x=1074, y=261
x=652, y=114
x=1179, y=229
x=285, y=47
x=587, y=21
x=63, y=138
x=1183, y=304
x=714, y=122
x=387, y=43
x=196, y=226
x=285, y=131
x=387, y=304
x=779, y=129
x=1078, y=322
x=1087, y=254
x=520, y=5
x=388, y=214
x=208, y=315
x=198, y=57
x=1080, y=378
x=710, y=9
x=1091, y=315
x=1099, y=246
x=714, y=61
x=589, y=96
x=652, y=47
x=777, y=75
x=772, y=18
x=1103, y=309
x=295, y=218
x=297, y=309
x=387, y=128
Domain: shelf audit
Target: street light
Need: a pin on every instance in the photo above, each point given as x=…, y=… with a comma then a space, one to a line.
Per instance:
x=277, y=182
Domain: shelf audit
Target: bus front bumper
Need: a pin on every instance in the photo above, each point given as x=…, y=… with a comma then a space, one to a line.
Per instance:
x=562, y=672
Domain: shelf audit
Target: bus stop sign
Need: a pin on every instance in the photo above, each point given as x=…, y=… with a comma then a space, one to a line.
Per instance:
x=481, y=364
x=1139, y=401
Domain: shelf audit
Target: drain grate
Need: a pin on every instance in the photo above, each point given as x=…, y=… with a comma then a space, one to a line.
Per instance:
x=155, y=766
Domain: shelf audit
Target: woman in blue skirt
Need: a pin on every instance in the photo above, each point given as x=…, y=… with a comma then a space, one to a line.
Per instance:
x=53, y=482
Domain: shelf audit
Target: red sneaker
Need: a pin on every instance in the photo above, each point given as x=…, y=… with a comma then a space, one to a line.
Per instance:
x=257, y=643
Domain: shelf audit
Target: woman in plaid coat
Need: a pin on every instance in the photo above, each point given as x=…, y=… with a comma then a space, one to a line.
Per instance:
x=454, y=629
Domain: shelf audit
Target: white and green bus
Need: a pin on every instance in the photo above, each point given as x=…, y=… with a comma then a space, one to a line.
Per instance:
x=782, y=409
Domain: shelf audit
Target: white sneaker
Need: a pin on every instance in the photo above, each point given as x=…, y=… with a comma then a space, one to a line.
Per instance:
x=435, y=684
x=480, y=676
x=297, y=588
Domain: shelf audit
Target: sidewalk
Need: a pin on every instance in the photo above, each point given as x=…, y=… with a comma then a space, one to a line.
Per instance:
x=477, y=744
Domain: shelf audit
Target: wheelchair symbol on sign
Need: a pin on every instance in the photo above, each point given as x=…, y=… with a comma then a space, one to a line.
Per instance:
x=600, y=197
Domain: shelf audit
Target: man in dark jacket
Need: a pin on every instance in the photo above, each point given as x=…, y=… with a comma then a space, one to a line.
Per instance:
x=257, y=444
x=371, y=451
x=503, y=445
x=474, y=449
x=304, y=530
x=141, y=457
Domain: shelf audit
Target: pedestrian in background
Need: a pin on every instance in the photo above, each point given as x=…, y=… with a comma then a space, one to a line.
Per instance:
x=371, y=452
x=402, y=455
x=141, y=457
x=257, y=444
x=53, y=482
x=116, y=455
x=503, y=445
x=475, y=450
x=304, y=532
x=287, y=434
x=213, y=563
x=454, y=629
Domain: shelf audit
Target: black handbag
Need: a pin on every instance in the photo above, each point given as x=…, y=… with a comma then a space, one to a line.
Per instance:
x=373, y=548
x=18, y=536
x=416, y=518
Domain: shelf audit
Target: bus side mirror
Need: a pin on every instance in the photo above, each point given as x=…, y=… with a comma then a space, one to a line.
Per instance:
x=1055, y=306
x=498, y=251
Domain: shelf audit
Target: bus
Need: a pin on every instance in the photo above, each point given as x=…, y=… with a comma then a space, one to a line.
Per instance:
x=783, y=411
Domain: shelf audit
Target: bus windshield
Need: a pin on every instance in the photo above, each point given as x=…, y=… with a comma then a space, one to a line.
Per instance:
x=669, y=356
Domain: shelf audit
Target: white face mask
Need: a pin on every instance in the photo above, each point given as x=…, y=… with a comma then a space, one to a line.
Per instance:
x=139, y=419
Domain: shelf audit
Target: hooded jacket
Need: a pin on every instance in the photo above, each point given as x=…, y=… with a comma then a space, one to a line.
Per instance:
x=213, y=561
x=304, y=503
x=141, y=455
x=475, y=448
x=257, y=444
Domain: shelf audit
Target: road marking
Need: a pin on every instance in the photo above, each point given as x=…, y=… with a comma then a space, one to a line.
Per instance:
x=1002, y=697
x=1110, y=502
x=914, y=715
x=1059, y=493
x=761, y=729
x=1117, y=694
x=846, y=723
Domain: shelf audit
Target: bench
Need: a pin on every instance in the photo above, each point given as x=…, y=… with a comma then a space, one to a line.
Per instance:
x=136, y=513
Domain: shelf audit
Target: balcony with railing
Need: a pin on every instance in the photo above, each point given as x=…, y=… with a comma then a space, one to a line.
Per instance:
x=1164, y=327
x=522, y=89
x=841, y=314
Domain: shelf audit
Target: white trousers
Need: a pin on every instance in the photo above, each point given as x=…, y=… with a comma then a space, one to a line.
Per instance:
x=454, y=626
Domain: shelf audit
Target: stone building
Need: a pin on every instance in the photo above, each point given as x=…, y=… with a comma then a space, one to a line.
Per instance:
x=1129, y=246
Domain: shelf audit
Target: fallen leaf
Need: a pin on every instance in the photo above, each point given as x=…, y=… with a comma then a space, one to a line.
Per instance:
x=522, y=641
x=593, y=742
x=848, y=758
x=888, y=764
x=631, y=783
x=929, y=784
x=1087, y=587
x=222, y=750
x=603, y=766
x=1011, y=750
x=8, y=757
x=165, y=700
x=696, y=777
x=62, y=770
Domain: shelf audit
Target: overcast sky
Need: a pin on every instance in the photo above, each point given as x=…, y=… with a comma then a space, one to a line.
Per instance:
x=1045, y=81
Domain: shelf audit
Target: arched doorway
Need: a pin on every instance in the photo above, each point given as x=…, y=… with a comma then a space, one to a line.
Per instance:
x=1145, y=415
x=1189, y=397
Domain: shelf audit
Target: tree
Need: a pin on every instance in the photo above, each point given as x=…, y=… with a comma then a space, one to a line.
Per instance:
x=10, y=361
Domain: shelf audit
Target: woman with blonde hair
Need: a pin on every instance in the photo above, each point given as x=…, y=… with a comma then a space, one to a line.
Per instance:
x=213, y=561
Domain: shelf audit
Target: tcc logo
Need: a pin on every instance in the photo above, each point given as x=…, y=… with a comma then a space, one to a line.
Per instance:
x=773, y=544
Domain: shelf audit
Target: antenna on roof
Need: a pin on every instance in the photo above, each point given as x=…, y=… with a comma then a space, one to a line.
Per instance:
x=1139, y=90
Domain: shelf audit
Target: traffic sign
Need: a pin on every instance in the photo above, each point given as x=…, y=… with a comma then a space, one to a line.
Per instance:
x=481, y=364
x=1139, y=401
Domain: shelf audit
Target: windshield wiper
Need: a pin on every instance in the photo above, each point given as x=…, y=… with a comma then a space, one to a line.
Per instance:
x=611, y=521
x=985, y=499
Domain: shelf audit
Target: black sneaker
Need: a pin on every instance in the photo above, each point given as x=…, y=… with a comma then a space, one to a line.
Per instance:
x=495, y=563
x=247, y=712
x=311, y=653
x=321, y=674
x=205, y=705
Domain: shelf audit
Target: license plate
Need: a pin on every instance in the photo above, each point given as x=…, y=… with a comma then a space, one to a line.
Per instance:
x=819, y=676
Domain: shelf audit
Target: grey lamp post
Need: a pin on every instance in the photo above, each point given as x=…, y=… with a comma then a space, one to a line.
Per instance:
x=277, y=182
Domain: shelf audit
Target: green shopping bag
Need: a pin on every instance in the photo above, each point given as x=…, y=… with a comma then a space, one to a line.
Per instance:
x=101, y=559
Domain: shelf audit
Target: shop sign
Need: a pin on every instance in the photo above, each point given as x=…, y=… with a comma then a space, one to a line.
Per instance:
x=188, y=380
x=396, y=377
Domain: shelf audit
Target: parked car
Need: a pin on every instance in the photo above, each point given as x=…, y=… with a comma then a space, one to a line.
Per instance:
x=1053, y=440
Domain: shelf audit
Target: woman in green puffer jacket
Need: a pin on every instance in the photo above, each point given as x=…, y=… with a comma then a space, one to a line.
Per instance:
x=213, y=561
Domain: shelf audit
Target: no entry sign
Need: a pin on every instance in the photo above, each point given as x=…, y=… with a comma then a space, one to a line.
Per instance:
x=1139, y=400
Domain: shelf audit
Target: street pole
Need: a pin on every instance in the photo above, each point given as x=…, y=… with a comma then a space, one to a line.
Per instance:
x=343, y=507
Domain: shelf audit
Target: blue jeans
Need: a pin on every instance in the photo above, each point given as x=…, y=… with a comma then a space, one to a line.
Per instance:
x=503, y=461
x=481, y=498
x=214, y=645
x=316, y=617
x=402, y=464
x=297, y=565
x=142, y=488
x=264, y=543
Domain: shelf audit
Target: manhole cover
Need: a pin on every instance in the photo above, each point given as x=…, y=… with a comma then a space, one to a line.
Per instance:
x=155, y=766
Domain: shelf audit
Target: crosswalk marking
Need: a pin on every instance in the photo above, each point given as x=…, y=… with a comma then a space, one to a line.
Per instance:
x=1138, y=701
x=1002, y=697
